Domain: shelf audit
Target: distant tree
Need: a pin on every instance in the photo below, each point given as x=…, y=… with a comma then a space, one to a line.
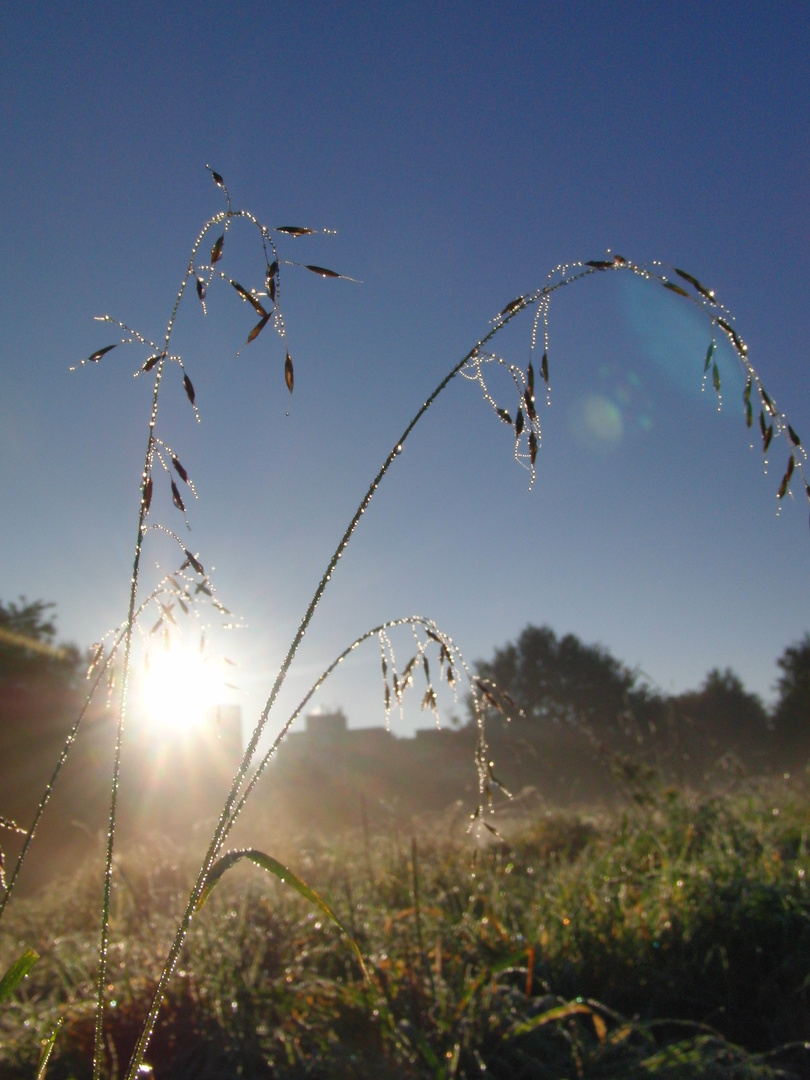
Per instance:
x=719, y=724
x=791, y=715
x=38, y=699
x=29, y=654
x=584, y=714
x=564, y=681
x=41, y=693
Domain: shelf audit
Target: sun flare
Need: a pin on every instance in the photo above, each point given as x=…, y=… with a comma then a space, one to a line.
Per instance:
x=178, y=686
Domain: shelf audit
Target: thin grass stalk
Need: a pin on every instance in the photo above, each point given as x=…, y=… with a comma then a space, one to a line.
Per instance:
x=233, y=802
x=128, y=631
x=227, y=815
x=98, y=1044
x=224, y=823
x=239, y=806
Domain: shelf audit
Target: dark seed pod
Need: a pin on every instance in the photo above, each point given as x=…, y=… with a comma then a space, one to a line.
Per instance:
x=786, y=478
x=709, y=354
x=251, y=299
x=178, y=502
x=513, y=305
x=321, y=271
x=181, y=472
x=675, y=288
x=94, y=359
x=193, y=561
x=257, y=329
x=766, y=438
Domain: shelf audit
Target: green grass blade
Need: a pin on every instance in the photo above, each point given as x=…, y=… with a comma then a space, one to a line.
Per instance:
x=559, y=1012
x=17, y=972
x=47, y=1049
x=277, y=869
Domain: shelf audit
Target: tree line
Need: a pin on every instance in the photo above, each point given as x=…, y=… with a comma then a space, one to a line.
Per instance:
x=558, y=691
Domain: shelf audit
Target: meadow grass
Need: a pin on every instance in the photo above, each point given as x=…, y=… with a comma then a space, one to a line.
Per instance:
x=668, y=939
x=459, y=964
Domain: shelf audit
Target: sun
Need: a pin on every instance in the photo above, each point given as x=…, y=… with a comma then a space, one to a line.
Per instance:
x=178, y=686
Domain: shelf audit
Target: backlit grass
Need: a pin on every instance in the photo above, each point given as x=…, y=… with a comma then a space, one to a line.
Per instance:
x=670, y=939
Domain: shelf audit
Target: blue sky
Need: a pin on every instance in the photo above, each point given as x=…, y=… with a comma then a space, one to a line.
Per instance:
x=460, y=153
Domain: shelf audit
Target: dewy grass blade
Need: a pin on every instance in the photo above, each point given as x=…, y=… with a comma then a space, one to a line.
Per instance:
x=285, y=875
x=17, y=972
x=47, y=1050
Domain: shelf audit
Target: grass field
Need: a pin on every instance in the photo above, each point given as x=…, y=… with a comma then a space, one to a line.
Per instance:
x=671, y=939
